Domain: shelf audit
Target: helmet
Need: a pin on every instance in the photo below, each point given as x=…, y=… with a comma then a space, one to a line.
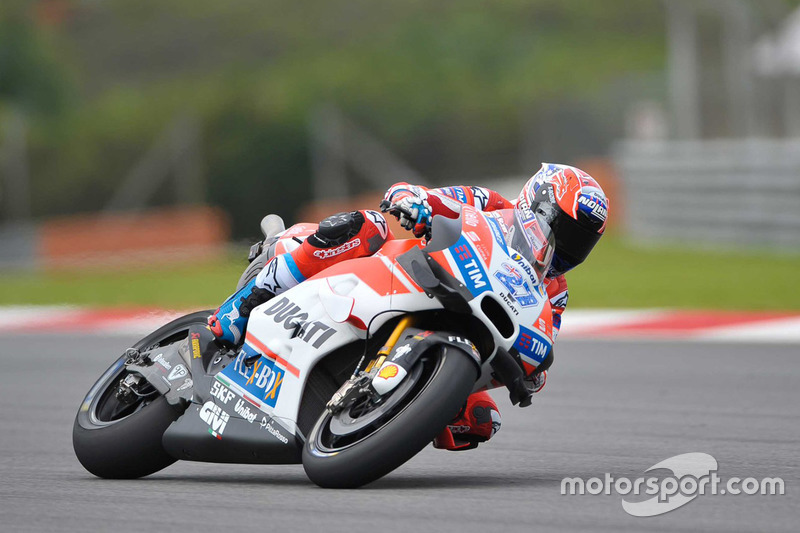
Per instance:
x=572, y=203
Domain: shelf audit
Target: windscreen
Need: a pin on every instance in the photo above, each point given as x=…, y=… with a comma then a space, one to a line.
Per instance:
x=532, y=238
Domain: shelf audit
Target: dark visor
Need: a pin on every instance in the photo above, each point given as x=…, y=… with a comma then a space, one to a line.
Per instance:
x=573, y=241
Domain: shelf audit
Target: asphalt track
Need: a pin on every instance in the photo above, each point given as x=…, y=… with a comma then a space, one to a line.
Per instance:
x=609, y=407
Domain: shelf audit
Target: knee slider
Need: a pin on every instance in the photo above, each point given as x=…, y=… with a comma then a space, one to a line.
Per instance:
x=337, y=229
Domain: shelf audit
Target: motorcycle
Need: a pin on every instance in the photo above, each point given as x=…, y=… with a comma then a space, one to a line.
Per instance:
x=351, y=373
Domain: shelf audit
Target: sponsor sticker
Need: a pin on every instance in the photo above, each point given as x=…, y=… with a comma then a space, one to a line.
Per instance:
x=532, y=345
x=325, y=253
x=275, y=432
x=379, y=221
x=401, y=351
x=220, y=392
x=196, y=353
x=166, y=365
x=178, y=372
x=481, y=197
x=388, y=371
x=261, y=380
x=497, y=232
x=472, y=271
x=215, y=417
x=243, y=410
x=593, y=206
x=314, y=332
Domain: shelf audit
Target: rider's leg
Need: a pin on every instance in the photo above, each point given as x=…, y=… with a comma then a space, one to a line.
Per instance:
x=477, y=422
x=339, y=237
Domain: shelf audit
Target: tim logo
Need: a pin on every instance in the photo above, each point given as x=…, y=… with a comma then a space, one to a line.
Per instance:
x=470, y=268
x=532, y=345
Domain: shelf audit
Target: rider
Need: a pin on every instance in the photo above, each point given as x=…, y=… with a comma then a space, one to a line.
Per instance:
x=570, y=200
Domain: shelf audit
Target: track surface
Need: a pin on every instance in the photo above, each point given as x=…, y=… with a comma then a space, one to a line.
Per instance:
x=609, y=407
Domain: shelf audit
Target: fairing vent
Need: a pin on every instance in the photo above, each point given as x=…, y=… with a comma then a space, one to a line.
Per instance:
x=495, y=312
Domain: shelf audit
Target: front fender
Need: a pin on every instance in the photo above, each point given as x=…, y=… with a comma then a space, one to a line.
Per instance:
x=412, y=344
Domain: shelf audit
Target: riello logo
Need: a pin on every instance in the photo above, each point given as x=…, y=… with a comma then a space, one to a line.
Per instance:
x=215, y=417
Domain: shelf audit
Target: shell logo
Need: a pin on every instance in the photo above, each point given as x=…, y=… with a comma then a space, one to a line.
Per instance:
x=387, y=372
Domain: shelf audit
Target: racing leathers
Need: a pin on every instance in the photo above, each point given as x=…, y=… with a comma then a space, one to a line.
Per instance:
x=421, y=204
x=479, y=419
x=307, y=249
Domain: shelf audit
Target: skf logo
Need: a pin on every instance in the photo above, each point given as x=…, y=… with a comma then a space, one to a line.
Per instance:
x=220, y=392
x=215, y=417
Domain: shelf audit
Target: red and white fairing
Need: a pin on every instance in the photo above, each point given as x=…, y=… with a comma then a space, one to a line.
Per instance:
x=334, y=308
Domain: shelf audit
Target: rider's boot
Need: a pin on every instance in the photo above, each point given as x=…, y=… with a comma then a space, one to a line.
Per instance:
x=477, y=422
x=228, y=322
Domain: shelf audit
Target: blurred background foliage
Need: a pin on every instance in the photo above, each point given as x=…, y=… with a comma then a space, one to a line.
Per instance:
x=451, y=86
x=463, y=91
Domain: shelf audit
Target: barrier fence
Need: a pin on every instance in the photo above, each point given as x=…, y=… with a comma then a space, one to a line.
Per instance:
x=732, y=192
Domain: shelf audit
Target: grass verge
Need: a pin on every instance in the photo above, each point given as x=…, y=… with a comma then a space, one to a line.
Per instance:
x=617, y=275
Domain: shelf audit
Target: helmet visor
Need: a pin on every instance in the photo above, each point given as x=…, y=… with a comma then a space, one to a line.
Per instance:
x=574, y=242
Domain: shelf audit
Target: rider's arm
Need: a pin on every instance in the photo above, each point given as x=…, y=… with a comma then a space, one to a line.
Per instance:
x=558, y=294
x=446, y=201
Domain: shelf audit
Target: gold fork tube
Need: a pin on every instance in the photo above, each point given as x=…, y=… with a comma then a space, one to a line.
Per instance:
x=404, y=323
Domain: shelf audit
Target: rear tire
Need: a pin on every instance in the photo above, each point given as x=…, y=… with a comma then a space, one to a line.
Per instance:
x=115, y=441
x=403, y=432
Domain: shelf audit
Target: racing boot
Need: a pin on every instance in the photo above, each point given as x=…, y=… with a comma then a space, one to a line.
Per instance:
x=477, y=422
x=229, y=321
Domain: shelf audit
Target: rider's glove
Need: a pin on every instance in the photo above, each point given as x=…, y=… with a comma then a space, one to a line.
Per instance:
x=414, y=214
x=536, y=381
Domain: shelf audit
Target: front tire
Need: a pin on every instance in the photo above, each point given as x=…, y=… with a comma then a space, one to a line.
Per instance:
x=390, y=439
x=118, y=441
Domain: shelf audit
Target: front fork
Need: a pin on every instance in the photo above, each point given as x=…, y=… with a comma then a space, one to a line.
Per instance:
x=361, y=382
x=404, y=324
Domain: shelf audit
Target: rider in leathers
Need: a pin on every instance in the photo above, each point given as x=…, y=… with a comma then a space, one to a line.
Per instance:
x=570, y=200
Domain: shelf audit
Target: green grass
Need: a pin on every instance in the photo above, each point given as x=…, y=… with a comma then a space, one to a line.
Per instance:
x=617, y=275
x=621, y=275
x=201, y=285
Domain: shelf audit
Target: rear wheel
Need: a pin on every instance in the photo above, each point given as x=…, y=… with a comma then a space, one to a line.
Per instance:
x=122, y=440
x=375, y=435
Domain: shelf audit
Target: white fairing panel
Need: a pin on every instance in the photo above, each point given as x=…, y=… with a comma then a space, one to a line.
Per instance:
x=293, y=331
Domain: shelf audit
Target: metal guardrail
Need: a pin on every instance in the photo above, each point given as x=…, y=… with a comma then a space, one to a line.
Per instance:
x=725, y=192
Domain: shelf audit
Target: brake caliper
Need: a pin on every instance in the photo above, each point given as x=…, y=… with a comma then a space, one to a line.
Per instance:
x=350, y=391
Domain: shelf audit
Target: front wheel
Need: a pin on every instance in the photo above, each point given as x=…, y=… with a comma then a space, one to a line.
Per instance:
x=122, y=440
x=371, y=438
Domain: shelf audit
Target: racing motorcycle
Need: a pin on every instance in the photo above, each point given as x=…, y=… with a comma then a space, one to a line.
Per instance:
x=351, y=373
